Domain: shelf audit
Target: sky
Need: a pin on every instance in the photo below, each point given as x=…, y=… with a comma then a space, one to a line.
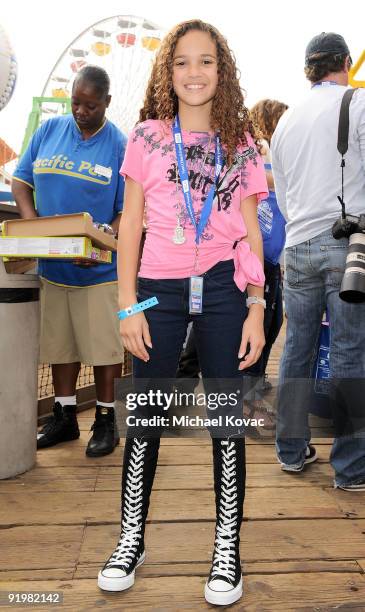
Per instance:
x=268, y=39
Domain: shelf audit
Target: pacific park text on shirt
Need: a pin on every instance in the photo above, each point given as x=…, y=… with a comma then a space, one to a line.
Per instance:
x=72, y=175
x=61, y=164
x=150, y=160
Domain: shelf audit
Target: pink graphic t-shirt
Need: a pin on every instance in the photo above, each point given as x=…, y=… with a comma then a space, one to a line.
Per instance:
x=151, y=161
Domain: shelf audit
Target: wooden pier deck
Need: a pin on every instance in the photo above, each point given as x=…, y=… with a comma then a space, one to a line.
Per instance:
x=302, y=542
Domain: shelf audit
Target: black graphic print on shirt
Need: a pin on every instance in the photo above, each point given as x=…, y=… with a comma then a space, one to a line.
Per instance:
x=201, y=167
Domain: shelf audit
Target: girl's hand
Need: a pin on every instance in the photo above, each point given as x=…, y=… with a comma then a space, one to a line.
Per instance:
x=253, y=337
x=135, y=335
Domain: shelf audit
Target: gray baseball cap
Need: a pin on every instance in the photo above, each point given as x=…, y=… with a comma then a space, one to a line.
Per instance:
x=326, y=43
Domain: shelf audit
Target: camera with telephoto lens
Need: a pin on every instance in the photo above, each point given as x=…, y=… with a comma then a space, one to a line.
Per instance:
x=353, y=282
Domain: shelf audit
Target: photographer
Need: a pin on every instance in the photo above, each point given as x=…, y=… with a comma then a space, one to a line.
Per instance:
x=307, y=173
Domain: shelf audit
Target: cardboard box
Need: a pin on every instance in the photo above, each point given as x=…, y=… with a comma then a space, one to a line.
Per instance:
x=78, y=224
x=73, y=247
x=20, y=266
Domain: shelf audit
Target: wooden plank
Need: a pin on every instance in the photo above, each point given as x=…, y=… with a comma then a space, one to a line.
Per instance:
x=26, y=548
x=293, y=540
x=320, y=435
x=148, y=570
x=200, y=477
x=195, y=439
x=351, y=503
x=84, y=427
x=53, y=479
x=321, y=429
x=260, y=504
x=55, y=573
x=52, y=508
x=319, y=440
x=266, y=593
x=70, y=453
x=21, y=508
x=86, y=419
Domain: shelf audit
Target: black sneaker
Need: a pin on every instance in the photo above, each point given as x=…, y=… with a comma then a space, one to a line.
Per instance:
x=357, y=487
x=310, y=457
x=62, y=426
x=224, y=585
x=105, y=433
x=118, y=574
x=264, y=385
x=139, y=466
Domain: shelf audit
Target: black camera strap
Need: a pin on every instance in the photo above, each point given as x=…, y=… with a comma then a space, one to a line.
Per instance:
x=343, y=138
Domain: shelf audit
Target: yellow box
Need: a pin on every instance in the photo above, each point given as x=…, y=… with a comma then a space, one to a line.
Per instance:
x=76, y=224
x=72, y=247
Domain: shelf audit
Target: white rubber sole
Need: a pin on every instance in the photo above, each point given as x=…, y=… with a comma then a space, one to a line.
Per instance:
x=119, y=584
x=294, y=470
x=359, y=488
x=288, y=468
x=223, y=598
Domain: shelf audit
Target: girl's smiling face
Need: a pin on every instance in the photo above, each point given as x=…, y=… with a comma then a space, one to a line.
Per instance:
x=195, y=69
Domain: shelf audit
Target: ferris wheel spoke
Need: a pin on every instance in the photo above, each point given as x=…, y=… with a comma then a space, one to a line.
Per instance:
x=124, y=45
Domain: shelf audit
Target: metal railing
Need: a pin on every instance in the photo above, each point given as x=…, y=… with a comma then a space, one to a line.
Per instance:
x=85, y=379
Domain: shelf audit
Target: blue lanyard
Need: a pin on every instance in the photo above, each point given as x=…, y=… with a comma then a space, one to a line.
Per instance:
x=184, y=177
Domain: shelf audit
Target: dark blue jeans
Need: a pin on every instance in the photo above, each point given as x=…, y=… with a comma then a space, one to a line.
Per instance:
x=218, y=333
x=217, y=330
x=189, y=363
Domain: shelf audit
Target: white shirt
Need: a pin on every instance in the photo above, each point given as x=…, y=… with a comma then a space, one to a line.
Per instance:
x=306, y=162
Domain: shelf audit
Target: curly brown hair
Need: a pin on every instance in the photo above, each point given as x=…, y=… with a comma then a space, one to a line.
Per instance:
x=229, y=115
x=266, y=114
x=322, y=64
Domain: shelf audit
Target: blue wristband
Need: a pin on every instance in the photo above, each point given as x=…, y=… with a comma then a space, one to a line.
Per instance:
x=132, y=310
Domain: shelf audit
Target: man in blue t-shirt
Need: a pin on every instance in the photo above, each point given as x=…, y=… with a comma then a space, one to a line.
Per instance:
x=72, y=165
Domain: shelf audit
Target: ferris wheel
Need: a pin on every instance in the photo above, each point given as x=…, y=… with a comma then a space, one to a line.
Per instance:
x=125, y=47
x=8, y=69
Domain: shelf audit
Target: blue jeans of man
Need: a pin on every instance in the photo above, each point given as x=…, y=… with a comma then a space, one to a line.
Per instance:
x=314, y=271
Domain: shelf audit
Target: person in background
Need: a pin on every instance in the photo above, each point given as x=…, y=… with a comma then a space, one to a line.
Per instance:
x=193, y=160
x=307, y=171
x=265, y=115
x=72, y=165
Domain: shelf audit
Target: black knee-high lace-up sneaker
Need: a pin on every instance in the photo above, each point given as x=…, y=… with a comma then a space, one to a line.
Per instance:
x=139, y=466
x=224, y=585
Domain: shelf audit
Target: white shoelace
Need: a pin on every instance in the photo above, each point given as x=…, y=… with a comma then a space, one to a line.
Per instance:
x=132, y=519
x=226, y=536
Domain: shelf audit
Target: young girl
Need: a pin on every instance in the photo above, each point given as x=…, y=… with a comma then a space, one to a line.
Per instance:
x=193, y=160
